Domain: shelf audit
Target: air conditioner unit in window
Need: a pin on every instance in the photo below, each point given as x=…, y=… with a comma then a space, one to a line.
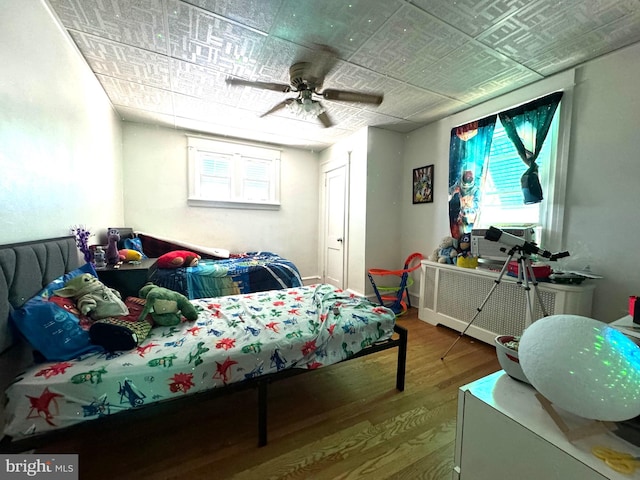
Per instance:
x=488, y=250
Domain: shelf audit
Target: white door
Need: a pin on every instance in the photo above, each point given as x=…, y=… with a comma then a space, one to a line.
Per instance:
x=335, y=194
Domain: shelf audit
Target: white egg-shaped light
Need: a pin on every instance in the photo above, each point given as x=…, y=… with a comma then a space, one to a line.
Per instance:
x=583, y=366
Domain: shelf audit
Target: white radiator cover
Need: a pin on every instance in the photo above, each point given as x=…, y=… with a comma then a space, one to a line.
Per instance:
x=451, y=296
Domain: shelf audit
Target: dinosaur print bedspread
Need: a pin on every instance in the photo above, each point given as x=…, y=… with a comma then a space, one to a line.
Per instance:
x=234, y=338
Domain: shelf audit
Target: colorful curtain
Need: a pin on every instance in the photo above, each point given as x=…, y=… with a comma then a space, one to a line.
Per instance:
x=527, y=127
x=468, y=154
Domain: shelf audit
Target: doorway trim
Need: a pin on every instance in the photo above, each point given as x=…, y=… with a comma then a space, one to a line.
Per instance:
x=325, y=168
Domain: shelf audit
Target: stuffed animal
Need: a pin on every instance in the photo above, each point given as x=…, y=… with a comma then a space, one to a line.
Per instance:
x=446, y=252
x=92, y=297
x=465, y=258
x=178, y=258
x=447, y=255
x=113, y=237
x=128, y=255
x=166, y=305
x=464, y=245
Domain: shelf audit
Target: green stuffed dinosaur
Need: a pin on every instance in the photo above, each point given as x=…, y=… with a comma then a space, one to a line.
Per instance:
x=166, y=305
x=92, y=297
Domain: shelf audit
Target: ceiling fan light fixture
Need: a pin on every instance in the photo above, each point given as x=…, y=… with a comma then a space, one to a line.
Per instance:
x=305, y=108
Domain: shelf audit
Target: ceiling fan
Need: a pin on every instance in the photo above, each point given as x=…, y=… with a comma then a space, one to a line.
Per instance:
x=306, y=79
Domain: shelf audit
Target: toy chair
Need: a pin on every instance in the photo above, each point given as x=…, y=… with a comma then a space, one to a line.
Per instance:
x=393, y=297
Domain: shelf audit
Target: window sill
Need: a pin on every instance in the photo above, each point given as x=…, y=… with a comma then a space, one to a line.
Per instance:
x=198, y=202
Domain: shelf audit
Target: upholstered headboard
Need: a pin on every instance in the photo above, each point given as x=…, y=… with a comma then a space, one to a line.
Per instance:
x=25, y=269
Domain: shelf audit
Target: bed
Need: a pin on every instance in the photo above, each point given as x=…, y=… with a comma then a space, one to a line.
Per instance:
x=238, y=341
x=249, y=273
x=214, y=276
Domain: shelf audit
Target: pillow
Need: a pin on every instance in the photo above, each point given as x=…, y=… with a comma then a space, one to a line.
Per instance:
x=115, y=334
x=62, y=279
x=70, y=306
x=178, y=258
x=55, y=332
x=134, y=244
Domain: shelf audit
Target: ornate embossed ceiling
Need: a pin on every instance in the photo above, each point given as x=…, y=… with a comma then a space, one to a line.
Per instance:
x=165, y=61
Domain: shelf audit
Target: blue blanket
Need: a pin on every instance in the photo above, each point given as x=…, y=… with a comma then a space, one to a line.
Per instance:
x=252, y=272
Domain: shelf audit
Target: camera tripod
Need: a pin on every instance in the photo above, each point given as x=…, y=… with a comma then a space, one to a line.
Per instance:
x=525, y=278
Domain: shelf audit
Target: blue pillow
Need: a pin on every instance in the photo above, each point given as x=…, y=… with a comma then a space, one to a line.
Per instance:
x=50, y=329
x=59, y=282
x=134, y=244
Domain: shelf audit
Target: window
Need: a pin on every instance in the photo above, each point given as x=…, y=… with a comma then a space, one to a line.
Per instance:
x=233, y=175
x=486, y=168
x=501, y=202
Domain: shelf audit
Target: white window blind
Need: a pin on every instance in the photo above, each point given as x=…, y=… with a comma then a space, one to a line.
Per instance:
x=256, y=179
x=227, y=174
x=501, y=201
x=215, y=176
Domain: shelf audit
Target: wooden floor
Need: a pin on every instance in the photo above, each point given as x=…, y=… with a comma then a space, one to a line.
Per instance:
x=345, y=421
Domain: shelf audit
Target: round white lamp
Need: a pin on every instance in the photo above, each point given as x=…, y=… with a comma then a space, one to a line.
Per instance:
x=583, y=366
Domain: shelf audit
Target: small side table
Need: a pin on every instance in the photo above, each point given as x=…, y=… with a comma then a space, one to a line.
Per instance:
x=128, y=278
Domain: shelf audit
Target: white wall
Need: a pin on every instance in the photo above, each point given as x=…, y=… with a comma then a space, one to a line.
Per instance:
x=155, y=192
x=424, y=224
x=602, y=194
x=384, y=200
x=375, y=193
x=60, y=139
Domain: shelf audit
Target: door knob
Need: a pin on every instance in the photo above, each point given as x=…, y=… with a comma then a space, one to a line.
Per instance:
x=340, y=240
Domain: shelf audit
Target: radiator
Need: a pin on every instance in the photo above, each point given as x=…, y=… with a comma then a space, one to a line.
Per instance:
x=451, y=296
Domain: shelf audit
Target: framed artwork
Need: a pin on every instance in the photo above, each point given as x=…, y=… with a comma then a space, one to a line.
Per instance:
x=423, y=184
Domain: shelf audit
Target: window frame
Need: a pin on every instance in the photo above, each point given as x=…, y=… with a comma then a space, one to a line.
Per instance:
x=240, y=152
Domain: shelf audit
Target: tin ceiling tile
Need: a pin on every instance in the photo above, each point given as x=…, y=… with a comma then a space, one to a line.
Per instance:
x=343, y=25
x=140, y=23
x=118, y=60
x=258, y=14
x=471, y=16
x=135, y=95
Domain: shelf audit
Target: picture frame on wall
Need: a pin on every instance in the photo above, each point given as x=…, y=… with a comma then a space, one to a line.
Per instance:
x=423, y=184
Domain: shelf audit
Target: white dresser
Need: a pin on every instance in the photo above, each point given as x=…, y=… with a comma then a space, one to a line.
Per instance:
x=451, y=296
x=504, y=433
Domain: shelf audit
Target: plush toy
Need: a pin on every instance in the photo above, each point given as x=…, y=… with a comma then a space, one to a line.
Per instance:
x=178, y=258
x=92, y=297
x=447, y=255
x=128, y=255
x=446, y=252
x=166, y=305
x=464, y=245
x=113, y=237
x=465, y=258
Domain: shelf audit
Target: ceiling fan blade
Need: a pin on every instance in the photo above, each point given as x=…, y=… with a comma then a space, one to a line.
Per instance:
x=325, y=120
x=324, y=59
x=278, y=106
x=347, y=96
x=276, y=87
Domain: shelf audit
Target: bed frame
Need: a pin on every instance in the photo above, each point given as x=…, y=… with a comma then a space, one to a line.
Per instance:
x=26, y=268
